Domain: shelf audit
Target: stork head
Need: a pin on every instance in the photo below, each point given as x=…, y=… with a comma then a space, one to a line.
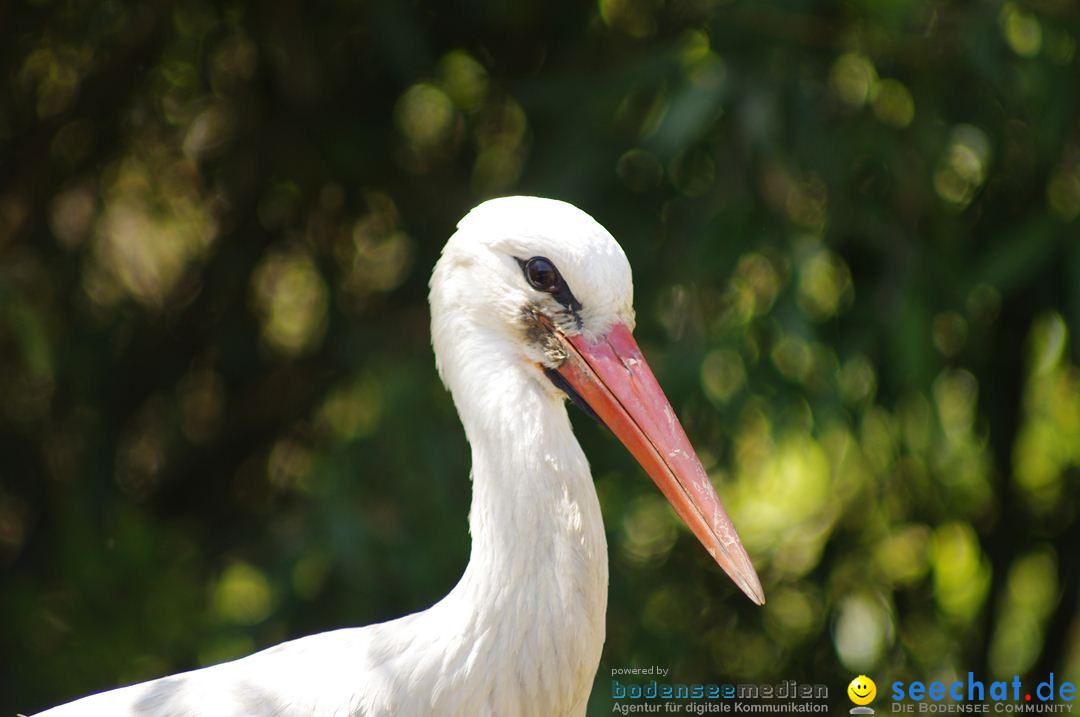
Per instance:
x=550, y=291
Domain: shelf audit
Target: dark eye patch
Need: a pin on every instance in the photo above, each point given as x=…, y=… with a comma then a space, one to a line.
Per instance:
x=542, y=275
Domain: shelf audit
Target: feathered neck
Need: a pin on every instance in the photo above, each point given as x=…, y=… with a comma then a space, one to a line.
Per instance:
x=530, y=607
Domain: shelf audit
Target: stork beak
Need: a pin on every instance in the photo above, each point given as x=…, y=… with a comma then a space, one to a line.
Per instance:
x=612, y=377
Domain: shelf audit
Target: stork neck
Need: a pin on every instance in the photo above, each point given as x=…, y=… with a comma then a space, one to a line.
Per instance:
x=537, y=576
x=531, y=482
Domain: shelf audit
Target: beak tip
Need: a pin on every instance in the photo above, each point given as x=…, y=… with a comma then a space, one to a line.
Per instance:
x=741, y=571
x=751, y=587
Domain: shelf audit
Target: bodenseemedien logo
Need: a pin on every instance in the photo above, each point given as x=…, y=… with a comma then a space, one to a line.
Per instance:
x=660, y=695
x=861, y=691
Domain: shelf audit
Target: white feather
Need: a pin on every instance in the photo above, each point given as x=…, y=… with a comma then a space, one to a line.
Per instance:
x=522, y=632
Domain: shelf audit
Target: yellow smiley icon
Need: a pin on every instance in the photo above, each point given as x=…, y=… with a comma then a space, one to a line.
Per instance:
x=862, y=690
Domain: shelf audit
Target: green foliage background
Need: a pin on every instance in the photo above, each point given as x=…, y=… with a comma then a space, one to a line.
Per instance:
x=854, y=234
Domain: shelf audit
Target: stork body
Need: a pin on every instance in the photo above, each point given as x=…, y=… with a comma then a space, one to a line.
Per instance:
x=522, y=631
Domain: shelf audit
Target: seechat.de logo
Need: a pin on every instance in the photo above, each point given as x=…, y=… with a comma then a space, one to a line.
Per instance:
x=862, y=692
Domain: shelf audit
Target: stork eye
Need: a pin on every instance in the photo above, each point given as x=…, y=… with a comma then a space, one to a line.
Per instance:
x=542, y=274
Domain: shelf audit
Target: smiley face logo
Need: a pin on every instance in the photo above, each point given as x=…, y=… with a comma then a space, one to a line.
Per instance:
x=862, y=690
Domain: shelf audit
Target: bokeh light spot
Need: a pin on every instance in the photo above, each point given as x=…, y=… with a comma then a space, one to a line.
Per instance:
x=963, y=170
x=425, y=116
x=500, y=130
x=722, y=374
x=648, y=532
x=778, y=499
x=961, y=571
x=853, y=79
x=290, y=298
x=376, y=256
x=791, y=356
x=791, y=614
x=1021, y=29
x=956, y=396
x=353, y=410
x=902, y=556
x=756, y=283
x=72, y=214
x=464, y=79
x=863, y=630
x=53, y=74
x=1031, y=594
x=153, y=226
x=209, y=133
x=636, y=18
x=893, y=104
x=1048, y=441
x=825, y=285
x=243, y=595
x=857, y=379
x=949, y=333
x=289, y=465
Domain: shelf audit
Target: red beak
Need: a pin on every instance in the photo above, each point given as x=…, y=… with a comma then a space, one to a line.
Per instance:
x=612, y=377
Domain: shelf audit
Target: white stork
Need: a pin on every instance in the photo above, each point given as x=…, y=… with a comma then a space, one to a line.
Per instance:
x=531, y=303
